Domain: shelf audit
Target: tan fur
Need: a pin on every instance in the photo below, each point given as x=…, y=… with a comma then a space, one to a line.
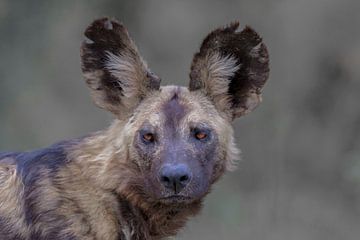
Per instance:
x=99, y=206
x=11, y=192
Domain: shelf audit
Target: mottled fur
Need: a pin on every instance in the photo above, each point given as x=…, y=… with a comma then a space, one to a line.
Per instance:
x=106, y=185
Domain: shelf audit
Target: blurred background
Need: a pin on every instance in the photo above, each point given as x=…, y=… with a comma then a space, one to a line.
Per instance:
x=300, y=174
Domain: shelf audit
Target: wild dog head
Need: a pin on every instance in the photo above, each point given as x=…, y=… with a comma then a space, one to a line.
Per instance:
x=178, y=140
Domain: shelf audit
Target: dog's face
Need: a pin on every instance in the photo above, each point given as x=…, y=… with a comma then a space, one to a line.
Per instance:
x=180, y=139
x=180, y=142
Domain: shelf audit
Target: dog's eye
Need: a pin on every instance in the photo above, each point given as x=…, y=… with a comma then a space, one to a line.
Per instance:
x=148, y=137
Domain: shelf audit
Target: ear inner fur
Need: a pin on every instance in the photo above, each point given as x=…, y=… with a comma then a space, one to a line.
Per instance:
x=235, y=64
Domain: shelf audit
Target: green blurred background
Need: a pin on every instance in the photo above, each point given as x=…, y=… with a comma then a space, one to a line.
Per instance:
x=300, y=174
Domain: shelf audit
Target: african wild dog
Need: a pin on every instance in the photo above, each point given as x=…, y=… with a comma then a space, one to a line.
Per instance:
x=149, y=171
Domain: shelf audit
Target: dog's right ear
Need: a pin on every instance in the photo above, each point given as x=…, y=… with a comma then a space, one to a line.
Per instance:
x=113, y=69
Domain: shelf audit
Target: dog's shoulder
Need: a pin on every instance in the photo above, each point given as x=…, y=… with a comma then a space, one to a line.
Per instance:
x=28, y=192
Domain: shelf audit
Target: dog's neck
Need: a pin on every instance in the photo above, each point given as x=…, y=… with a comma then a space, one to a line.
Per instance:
x=155, y=221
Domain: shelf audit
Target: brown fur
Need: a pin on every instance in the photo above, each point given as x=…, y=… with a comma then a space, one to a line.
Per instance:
x=107, y=185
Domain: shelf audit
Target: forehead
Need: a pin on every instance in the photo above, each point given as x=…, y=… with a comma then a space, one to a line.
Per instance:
x=174, y=104
x=174, y=110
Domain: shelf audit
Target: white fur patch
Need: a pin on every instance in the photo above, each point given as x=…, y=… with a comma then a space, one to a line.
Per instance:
x=88, y=40
x=126, y=231
x=220, y=69
x=124, y=69
x=108, y=25
x=233, y=154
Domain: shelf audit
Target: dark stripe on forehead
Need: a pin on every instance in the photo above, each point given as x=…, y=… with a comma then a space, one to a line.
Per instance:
x=173, y=111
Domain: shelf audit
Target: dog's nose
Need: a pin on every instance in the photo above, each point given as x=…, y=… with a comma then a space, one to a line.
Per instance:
x=175, y=176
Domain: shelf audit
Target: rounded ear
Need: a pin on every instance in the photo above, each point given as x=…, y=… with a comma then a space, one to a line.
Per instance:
x=231, y=68
x=116, y=74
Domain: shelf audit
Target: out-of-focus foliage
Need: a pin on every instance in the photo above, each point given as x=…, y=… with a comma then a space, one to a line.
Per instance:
x=300, y=173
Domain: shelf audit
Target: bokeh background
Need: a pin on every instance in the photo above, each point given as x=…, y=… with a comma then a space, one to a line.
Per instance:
x=300, y=174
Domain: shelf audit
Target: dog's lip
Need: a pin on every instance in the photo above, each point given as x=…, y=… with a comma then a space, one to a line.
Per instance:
x=176, y=198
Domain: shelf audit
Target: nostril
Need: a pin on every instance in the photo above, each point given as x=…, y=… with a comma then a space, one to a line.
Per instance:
x=165, y=179
x=184, y=178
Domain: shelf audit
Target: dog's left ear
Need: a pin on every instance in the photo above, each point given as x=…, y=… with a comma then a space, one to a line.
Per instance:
x=231, y=68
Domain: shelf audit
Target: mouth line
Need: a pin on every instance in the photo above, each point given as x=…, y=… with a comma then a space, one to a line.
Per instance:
x=178, y=198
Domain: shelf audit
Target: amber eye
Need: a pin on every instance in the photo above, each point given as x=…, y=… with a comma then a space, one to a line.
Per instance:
x=148, y=137
x=200, y=135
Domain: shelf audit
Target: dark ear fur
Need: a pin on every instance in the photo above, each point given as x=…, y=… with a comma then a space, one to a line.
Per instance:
x=231, y=68
x=112, y=67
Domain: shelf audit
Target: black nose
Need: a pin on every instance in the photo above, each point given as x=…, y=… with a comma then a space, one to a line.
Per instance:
x=175, y=176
